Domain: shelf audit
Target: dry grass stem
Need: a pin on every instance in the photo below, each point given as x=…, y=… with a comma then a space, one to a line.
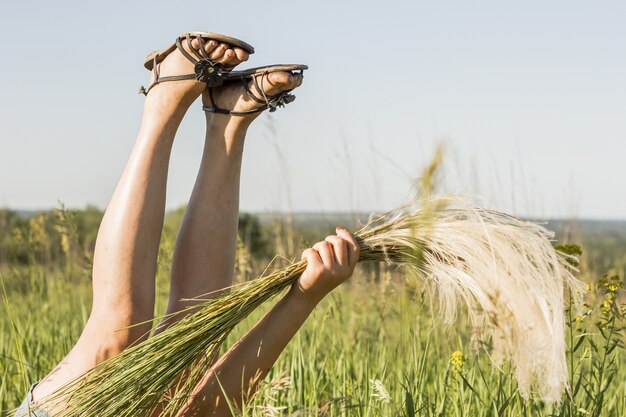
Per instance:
x=503, y=269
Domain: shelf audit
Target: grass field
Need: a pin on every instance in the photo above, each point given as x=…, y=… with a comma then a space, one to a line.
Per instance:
x=373, y=348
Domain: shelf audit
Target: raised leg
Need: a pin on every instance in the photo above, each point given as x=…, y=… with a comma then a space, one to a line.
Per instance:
x=127, y=244
x=204, y=256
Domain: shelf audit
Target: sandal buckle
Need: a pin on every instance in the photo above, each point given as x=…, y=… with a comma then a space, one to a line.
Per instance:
x=283, y=99
x=210, y=72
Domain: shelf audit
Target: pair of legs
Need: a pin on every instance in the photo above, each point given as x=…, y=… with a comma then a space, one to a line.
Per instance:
x=127, y=245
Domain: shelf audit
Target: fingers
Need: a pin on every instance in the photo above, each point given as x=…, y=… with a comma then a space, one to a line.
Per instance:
x=326, y=253
x=337, y=252
x=329, y=263
x=340, y=250
x=354, y=249
x=312, y=256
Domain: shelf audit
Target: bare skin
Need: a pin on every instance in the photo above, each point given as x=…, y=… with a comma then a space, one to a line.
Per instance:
x=237, y=373
x=208, y=235
x=127, y=244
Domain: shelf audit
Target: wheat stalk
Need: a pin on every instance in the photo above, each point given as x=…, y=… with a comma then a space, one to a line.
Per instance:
x=505, y=270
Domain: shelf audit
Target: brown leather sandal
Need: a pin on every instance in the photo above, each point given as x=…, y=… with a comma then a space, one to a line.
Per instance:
x=206, y=70
x=268, y=102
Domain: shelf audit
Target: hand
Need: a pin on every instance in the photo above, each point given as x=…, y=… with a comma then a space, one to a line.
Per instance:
x=329, y=263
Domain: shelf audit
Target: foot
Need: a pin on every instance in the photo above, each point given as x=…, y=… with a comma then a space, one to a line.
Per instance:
x=176, y=64
x=232, y=95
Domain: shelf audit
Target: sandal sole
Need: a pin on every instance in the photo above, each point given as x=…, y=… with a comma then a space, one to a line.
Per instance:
x=266, y=70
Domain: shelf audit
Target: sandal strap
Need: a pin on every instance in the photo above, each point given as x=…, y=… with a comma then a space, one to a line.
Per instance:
x=206, y=69
x=270, y=102
x=182, y=50
x=213, y=108
x=202, y=51
x=144, y=91
x=158, y=79
x=192, y=49
x=249, y=92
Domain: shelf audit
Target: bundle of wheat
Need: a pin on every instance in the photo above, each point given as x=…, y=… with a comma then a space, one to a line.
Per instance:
x=504, y=269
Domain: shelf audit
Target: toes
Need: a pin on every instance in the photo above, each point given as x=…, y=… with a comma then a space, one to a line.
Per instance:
x=283, y=80
x=280, y=79
x=210, y=46
x=242, y=55
x=229, y=57
x=219, y=51
x=277, y=82
x=297, y=82
x=234, y=56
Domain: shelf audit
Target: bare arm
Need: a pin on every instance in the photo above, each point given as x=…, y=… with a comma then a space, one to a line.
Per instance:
x=329, y=263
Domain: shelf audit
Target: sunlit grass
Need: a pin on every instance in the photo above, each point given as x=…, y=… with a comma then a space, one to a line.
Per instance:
x=366, y=335
x=372, y=348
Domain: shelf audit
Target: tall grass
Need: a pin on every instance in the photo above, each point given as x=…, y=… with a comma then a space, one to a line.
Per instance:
x=362, y=333
x=504, y=269
x=370, y=349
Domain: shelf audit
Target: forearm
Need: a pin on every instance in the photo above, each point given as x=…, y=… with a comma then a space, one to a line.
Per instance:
x=240, y=370
x=236, y=375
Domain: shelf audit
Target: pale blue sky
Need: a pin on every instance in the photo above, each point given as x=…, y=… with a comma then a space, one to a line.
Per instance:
x=530, y=97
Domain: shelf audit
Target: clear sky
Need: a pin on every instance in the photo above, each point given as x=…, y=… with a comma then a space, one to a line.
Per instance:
x=529, y=96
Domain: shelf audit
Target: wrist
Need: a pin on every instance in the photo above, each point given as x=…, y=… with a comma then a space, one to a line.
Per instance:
x=304, y=298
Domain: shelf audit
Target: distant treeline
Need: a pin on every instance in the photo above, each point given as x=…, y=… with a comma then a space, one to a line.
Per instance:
x=47, y=237
x=60, y=236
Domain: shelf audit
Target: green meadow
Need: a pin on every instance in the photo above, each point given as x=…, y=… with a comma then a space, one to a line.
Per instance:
x=375, y=347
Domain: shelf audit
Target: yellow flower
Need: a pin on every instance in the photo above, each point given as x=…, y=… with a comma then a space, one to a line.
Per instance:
x=456, y=360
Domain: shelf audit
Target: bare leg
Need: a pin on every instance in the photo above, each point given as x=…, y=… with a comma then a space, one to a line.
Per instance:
x=127, y=244
x=236, y=375
x=204, y=255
